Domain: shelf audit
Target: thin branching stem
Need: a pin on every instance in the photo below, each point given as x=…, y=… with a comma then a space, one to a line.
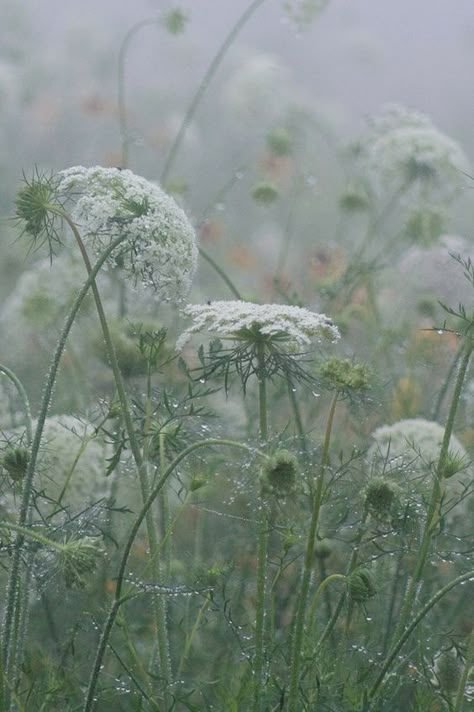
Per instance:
x=196, y=100
x=118, y=598
x=298, y=635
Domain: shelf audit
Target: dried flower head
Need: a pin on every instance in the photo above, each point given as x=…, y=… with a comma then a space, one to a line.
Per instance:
x=159, y=251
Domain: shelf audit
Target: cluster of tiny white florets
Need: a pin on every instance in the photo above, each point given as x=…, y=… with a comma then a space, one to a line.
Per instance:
x=413, y=443
x=43, y=294
x=70, y=447
x=294, y=326
x=404, y=151
x=409, y=451
x=159, y=250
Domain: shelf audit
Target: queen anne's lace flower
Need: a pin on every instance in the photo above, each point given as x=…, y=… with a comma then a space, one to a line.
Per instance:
x=240, y=320
x=409, y=450
x=72, y=458
x=160, y=251
x=403, y=151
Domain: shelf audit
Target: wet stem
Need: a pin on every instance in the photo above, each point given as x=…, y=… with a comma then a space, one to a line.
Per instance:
x=298, y=636
x=262, y=543
x=11, y=652
x=158, y=607
x=120, y=599
x=433, y=516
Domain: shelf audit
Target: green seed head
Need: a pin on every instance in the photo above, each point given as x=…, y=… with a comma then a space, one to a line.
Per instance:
x=279, y=142
x=15, y=462
x=279, y=473
x=382, y=498
x=78, y=560
x=344, y=375
x=264, y=193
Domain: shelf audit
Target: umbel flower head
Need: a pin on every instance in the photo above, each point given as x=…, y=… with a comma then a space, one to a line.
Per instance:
x=403, y=151
x=159, y=251
x=279, y=331
x=246, y=321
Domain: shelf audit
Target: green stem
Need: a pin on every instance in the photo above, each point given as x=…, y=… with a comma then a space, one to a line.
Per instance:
x=14, y=577
x=221, y=273
x=190, y=637
x=319, y=590
x=459, y=701
x=159, y=605
x=213, y=67
x=446, y=382
x=122, y=106
x=24, y=399
x=408, y=631
x=433, y=515
x=89, y=703
x=262, y=542
x=293, y=704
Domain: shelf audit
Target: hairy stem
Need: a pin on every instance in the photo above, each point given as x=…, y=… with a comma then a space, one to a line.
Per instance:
x=298, y=635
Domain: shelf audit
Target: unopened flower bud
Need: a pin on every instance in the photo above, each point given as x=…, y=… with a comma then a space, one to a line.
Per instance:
x=264, y=193
x=278, y=474
x=79, y=559
x=448, y=670
x=382, y=498
x=361, y=585
x=15, y=462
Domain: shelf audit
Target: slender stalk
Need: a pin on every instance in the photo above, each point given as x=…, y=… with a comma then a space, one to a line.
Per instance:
x=319, y=590
x=213, y=67
x=89, y=703
x=190, y=637
x=14, y=577
x=433, y=515
x=24, y=399
x=459, y=701
x=297, y=646
x=159, y=605
x=262, y=544
x=444, y=388
x=221, y=273
x=122, y=105
x=410, y=628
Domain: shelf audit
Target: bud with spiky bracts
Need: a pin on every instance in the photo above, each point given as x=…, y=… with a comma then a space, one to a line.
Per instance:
x=15, y=462
x=78, y=560
x=361, y=585
x=278, y=475
x=382, y=499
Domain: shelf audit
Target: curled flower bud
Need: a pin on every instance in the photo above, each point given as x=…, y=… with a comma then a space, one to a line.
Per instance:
x=278, y=474
x=15, y=462
x=78, y=559
x=35, y=204
x=175, y=21
x=361, y=585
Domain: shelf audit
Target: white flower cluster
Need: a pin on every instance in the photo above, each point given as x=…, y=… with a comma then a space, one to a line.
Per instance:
x=43, y=294
x=410, y=449
x=73, y=457
x=237, y=320
x=403, y=151
x=160, y=250
x=413, y=443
